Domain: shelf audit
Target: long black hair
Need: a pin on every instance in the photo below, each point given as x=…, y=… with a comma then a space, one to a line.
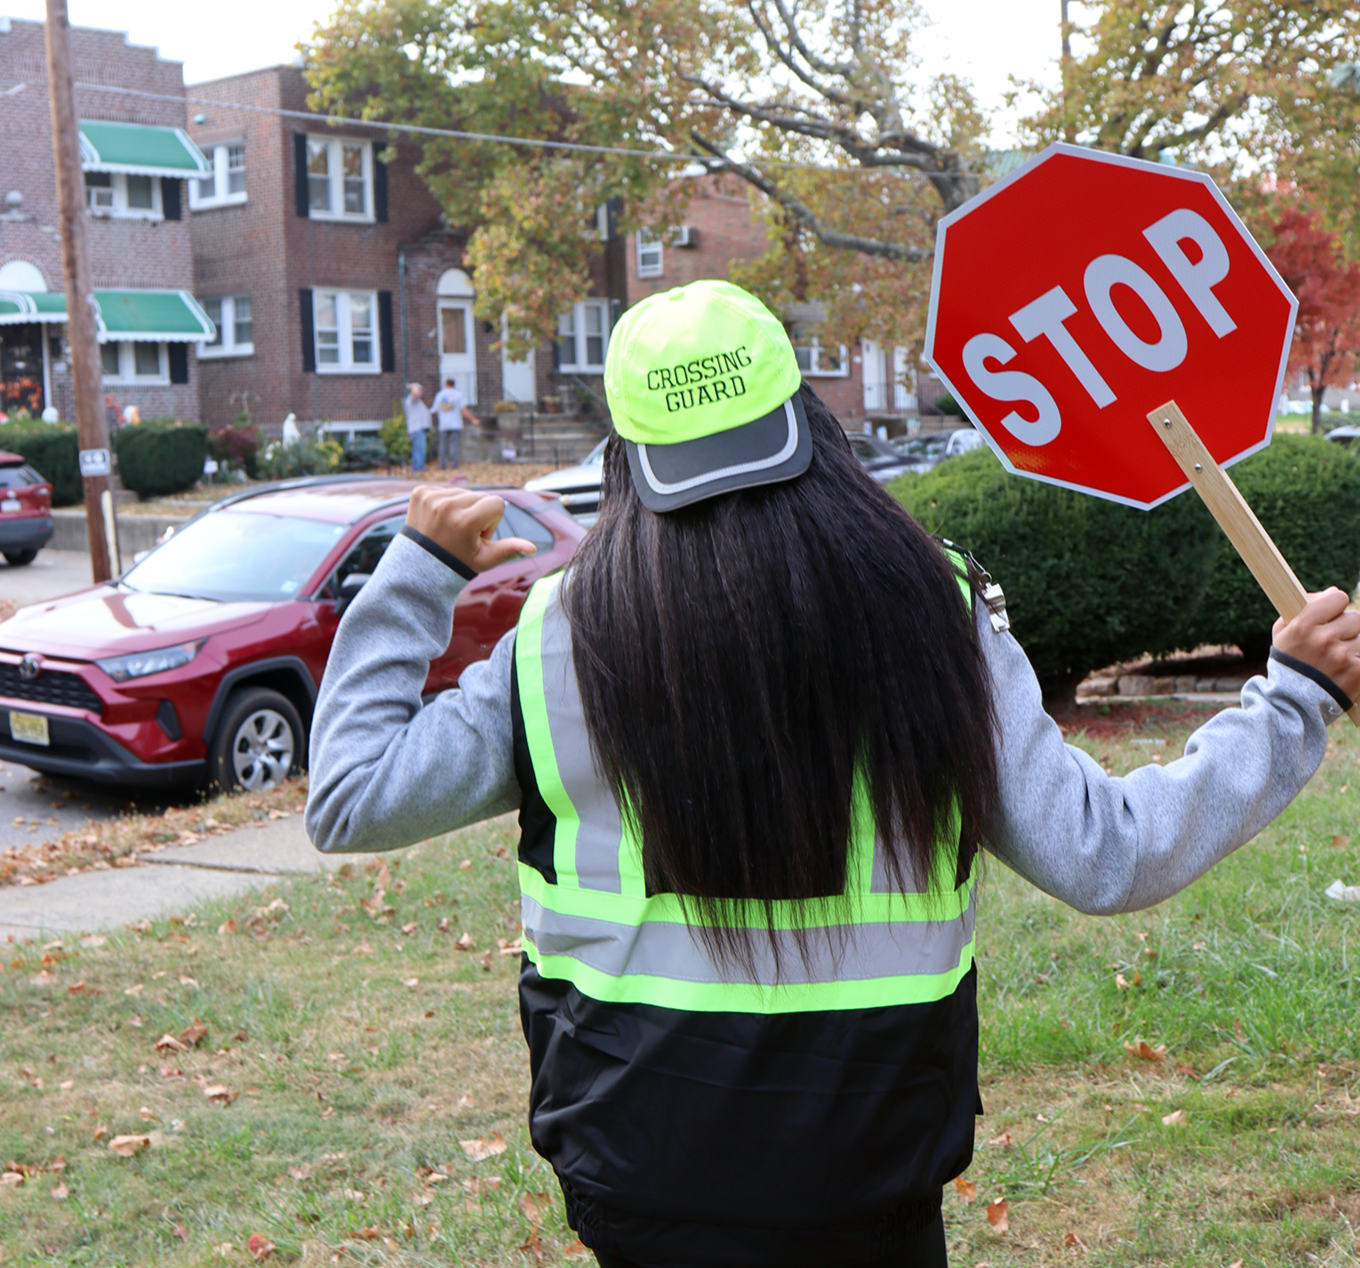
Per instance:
x=742, y=661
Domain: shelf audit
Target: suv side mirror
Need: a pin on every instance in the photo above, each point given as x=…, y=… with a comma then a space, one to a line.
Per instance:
x=349, y=591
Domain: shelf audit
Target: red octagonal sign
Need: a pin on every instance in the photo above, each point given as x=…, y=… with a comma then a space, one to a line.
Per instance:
x=1085, y=290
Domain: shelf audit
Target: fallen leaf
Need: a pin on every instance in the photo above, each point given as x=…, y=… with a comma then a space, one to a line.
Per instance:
x=1144, y=1051
x=11, y=1179
x=443, y=924
x=67, y=1085
x=363, y=949
x=512, y=948
x=93, y=940
x=126, y=1146
x=193, y=1035
x=1187, y=1070
x=411, y=983
x=466, y=1102
x=967, y=1189
x=1003, y=1141
x=60, y=1192
x=260, y=1246
x=168, y=1043
x=43, y=978
x=479, y=1149
x=148, y=1115
x=533, y=1205
x=411, y=928
x=219, y=1095
x=369, y=1234
x=999, y=1215
x=181, y=1231
x=465, y=943
x=328, y=1112
x=577, y=1250
x=133, y=991
x=1073, y=1242
x=1340, y=842
x=100, y=1132
x=188, y=981
x=466, y=865
x=1174, y=1119
x=1121, y=983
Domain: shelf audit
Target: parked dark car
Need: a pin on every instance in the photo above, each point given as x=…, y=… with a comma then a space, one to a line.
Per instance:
x=934, y=447
x=878, y=457
x=25, y=510
x=202, y=661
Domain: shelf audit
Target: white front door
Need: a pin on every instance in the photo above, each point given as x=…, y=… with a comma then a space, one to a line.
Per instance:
x=903, y=381
x=518, y=380
x=458, y=347
x=875, y=380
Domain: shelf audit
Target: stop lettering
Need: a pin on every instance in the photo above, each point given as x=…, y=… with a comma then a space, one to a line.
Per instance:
x=1085, y=290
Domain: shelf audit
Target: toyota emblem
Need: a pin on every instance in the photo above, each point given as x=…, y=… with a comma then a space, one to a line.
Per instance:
x=30, y=667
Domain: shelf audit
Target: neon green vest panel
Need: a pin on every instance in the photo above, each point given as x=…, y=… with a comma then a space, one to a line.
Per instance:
x=596, y=926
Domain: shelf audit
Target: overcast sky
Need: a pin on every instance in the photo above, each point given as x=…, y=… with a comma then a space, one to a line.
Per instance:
x=984, y=40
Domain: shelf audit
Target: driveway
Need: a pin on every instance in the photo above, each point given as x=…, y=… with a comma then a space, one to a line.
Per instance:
x=51, y=574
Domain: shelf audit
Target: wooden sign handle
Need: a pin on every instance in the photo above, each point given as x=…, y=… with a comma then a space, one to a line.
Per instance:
x=1234, y=516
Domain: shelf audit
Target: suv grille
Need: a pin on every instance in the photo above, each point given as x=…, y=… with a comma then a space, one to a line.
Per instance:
x=52, y=686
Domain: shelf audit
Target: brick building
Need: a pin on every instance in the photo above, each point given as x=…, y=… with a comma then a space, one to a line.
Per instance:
x=136, y=157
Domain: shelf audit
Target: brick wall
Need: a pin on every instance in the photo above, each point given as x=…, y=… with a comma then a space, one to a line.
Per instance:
x=123, y=253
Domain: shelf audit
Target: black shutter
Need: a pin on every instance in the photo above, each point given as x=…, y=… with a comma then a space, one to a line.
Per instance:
x=557, y=355
x=179, y=362
x=308, y=329
x=300, y=174
x=170, y=204
x=385, y=342
x=611, y=218
x=379, y=189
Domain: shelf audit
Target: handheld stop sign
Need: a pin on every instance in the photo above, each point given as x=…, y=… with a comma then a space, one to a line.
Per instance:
x=1110, y=326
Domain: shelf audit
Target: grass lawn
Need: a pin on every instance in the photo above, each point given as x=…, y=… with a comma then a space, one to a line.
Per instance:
x=359, y=1094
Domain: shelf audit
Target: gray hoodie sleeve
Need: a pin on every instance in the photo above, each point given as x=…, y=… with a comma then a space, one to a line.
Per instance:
x=385, y=771
x=1106, y=844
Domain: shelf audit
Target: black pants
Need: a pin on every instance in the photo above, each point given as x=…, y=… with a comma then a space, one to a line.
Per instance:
x=929, y=1252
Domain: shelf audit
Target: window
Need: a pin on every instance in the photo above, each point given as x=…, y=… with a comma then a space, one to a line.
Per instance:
x=145, y=364
x=346, y=331
x=235, y=337
x=583, y=336
x=648, y=255
x=227, y=184
x=364, y=555
x=818, y=362
x=339, y=179
x=123, y=194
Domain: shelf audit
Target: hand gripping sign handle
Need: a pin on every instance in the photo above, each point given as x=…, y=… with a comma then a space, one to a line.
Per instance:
x=1234, y=516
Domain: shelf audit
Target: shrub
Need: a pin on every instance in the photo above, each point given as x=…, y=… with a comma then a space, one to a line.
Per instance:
x=278, y=461
x=51, y=449
x=396, y=440
x=160, y=456
x=238, y=446
x=946, y=404
x=1088, y=582
x=1305, y=490
x=363, y=452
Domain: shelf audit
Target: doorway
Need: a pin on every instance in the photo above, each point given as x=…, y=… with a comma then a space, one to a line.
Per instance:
x=457, y=334
x=21, y=370
x=518, y=378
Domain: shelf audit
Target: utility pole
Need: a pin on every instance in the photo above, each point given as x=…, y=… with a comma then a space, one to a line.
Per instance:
x=86, y=368
x=1069, y=128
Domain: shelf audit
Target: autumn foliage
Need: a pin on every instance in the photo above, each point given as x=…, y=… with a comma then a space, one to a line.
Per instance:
x=1327, y=332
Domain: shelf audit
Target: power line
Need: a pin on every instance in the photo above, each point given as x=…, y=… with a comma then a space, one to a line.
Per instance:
x=527, y=142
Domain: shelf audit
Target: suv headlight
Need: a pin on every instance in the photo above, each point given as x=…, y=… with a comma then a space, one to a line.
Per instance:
x=140, y=664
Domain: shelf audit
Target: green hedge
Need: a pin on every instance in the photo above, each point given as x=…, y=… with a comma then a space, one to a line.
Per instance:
x=1088, y=582
x=1305, y=490
x=51, y=449
x=158, y=456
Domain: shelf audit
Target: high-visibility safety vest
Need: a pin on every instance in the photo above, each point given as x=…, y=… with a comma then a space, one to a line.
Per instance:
x=890, y=982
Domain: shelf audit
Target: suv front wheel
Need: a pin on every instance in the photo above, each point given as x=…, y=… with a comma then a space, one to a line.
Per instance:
x=258, y=743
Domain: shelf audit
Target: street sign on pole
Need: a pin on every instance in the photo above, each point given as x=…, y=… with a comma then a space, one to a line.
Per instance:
x=1088, y=295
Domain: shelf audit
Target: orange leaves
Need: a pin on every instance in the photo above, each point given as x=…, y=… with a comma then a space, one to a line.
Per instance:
x=219, y=1095
x=129, y=1146
x=480, y=1149
x=168, y=1043
x=465, y=943
x=193, y=1035
x=967, y=1190
x=1003, y=1141
x=260, y=1247
x=1144, y=1051
x=1174, y=1119
x=999, y=1215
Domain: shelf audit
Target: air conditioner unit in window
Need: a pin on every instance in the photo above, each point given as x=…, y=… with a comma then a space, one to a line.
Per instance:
x=686, y=236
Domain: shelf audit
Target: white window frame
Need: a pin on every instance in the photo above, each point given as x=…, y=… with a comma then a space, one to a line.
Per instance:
x=345, y=333
x=571, y=335
x=646, y=247
x=226, y=329
x=127, y=375
x=814, y=369
x=336, y=175
x=219, y=155
x=120, y=209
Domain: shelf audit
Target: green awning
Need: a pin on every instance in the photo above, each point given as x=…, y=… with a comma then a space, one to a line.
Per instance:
x=141, y=316
x=139, y=148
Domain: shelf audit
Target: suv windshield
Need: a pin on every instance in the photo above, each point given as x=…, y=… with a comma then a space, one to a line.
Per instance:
x=235, y=556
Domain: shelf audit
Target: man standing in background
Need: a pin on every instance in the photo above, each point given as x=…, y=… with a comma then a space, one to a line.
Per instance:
x=451, y=406
x=417, y=423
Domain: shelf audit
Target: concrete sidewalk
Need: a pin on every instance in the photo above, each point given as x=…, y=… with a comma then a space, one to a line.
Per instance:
x=166, y=883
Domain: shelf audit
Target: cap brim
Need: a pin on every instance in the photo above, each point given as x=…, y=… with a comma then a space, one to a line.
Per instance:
x=774, y=447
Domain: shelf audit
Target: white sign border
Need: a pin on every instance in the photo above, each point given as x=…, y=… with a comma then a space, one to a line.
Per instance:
x=1118, y=160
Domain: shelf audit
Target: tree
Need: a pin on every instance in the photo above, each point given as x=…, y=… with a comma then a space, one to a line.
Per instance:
x=855, y=155
x=1327, y=330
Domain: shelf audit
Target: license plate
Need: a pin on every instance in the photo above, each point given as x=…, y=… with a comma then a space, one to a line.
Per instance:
x=31, y=728
x=10, y=504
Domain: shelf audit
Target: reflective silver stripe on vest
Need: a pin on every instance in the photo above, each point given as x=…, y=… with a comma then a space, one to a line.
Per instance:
x=665, y=949
x=597, y=839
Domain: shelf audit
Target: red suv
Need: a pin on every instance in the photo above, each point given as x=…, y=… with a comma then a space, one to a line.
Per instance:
x=25, y=510
x=203, y=659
